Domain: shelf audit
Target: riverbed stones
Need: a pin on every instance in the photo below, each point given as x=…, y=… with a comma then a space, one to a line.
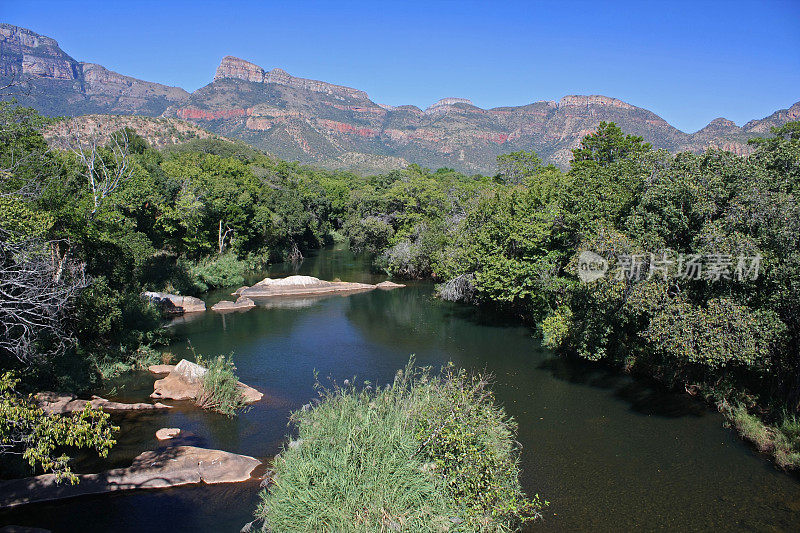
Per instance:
x=175, y=304
x=167, y=433
x=243, y=303
x=300, y=286
x=54, y=403
x=171, y=467
x=185, y=382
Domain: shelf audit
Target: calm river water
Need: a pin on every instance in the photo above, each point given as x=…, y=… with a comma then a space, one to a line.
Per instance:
x=610, y=453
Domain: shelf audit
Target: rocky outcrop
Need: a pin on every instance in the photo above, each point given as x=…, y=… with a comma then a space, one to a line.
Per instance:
x=175, y=304
x=184, y=382
x=54, y=403
x=452, y=101
x=300, y=286
x=172, y=467
x=241, y=304
x=56, y=84
x=235, y=68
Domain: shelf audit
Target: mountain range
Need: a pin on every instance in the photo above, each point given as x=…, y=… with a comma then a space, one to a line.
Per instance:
x=340, y=127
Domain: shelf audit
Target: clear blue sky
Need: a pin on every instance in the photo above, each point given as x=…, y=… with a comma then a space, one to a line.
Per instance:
x=690, y=62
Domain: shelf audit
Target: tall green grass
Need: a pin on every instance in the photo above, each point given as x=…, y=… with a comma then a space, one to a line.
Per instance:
x=424, y=454
x=781, y=440
x=221, y=391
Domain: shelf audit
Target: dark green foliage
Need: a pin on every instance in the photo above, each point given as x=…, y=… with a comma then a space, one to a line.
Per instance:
x=218, y=272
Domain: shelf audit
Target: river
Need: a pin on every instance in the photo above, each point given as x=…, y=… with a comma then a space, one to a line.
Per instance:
x=611, y=453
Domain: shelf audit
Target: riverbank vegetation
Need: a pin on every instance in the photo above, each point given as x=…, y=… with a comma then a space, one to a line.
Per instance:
x=84, y=230
x=425, y=453
x=726, y=329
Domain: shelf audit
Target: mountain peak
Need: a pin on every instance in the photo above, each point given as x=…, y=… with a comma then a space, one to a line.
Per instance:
x=452, y=101
x=580, y=100
x=237, y=68
x=234, y=67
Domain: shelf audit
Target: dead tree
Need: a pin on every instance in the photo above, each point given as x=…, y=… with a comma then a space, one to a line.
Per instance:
x=105, y=168
x=36, y=292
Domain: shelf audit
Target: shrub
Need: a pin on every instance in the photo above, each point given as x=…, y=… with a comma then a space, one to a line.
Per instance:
x=422, y=454
x=221, y=391
x=217, y=272
x=368, y=235
x=27, y=431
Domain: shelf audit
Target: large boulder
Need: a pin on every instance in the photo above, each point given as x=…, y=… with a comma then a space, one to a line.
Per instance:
x=243, y=303
x=185, y=382
x=301, y=285
x=175, y=304
x=54, y=403
x=179, y=465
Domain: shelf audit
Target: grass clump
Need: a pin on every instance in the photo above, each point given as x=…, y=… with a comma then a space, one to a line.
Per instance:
x=781, y=440
x=425, y=453
x=221, y=392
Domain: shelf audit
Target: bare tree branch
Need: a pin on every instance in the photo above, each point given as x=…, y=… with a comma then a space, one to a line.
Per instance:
x=105, y=168
x=38, y=284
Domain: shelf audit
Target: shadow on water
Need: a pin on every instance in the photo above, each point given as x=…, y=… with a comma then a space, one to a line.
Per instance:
x=644, y=396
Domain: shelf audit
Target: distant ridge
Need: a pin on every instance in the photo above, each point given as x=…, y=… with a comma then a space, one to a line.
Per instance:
x=340, y=127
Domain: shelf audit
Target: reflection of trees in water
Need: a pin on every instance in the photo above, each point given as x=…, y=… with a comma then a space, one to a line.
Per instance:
x=413, y=319
x=401, y=317
x=329, y=264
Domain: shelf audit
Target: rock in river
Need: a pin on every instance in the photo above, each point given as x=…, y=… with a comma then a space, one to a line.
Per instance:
x=184, y=382
x=243, y=303
x=174, y=304
x=55, y=403
x=167, y=433
x=389, y=285
x=300, y=285
x=180, y=465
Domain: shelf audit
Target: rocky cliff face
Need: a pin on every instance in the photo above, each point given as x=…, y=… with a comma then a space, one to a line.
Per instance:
x=235, y=68
x=340, y=127
x=46, y=78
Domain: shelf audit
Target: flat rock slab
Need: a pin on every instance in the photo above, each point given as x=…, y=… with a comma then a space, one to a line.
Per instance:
x=55, y=403
x=181, y=465
x=389, y=285
x=184, y=382
x=160, y=369
x=299, y=286
x=243, y=303
x=167, y=433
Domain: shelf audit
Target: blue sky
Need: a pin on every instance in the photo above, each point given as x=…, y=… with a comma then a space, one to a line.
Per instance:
x=689, y=62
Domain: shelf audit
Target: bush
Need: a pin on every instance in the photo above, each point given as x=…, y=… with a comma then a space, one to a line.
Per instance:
x=217, y=272
x=221, y=391
x=368, y=235
x=423, y=454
